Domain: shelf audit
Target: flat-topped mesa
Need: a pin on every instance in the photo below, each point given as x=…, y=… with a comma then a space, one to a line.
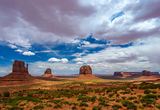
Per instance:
x=85, y=70
x=19, y=66
x=19, y=72
x=146, y=73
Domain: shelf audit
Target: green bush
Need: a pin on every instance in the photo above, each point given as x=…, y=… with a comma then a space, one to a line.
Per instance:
x=111, y=95
x=158, y=106
x=58, y=106
x=147, y=91
x=154, y=92
x=97, y=108
x=74, y=108
x=15, y=108
x=38, y=107
x=132, y=98
x=129, y=105
x=116, y=107
x=83, y=104
x=6, y=94
x=149, y=99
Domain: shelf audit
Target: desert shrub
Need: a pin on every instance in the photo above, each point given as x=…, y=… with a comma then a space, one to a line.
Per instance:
x=111, y=95
x=93, y=99
x=139, y=96
x=83, y=109
x=74, y=108
x=97, y=108
x=132, y=98
x=123, y=97
x=118, y=100
x=6, y=94
x=129, y=105
x=15, y=108
x=116, y=107
x=154, y=92
x=56, y=101
x=86, y=98
x=147, y=91
x=58, y=106
x=38, y=107
x=158, y=106
x=83, y=104
x=117, y=95
x=149, y=99
x=136, y=101
x=149, y=86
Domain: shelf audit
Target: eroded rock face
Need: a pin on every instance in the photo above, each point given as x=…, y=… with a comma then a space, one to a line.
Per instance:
x=48, y=71
x=85, y=70
x=19, y=72
x=18, y=66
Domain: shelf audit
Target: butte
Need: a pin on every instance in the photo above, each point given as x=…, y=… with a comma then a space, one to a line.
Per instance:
x=48, y=74
x=19, y=72
x=85, y=72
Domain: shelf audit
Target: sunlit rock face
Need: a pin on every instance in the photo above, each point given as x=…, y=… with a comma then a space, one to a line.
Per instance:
x=19, y=72
x=85, y=70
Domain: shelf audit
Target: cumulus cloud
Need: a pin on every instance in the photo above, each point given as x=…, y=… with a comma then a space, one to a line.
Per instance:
x=28, y=53
x=63, y=60
x=141, y=55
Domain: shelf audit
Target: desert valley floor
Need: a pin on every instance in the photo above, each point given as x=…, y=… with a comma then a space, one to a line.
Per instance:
x=79, y=94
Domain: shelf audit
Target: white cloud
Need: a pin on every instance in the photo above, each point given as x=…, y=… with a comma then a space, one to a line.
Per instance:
x=142, y=55
x=19, y=50
x=63, y=60
x=28, y=53
x=54, y=60
x=12, y=46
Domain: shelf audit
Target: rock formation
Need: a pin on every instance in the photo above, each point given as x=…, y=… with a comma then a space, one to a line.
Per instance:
x=85, y=72
x=146, y=73
x=19, y=72
x=134, y=74
x=48, y=74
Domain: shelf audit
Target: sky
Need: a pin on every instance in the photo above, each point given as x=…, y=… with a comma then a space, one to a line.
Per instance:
x=108, y=35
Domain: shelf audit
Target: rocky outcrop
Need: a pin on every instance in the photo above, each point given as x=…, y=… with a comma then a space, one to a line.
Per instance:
x=146, y=73
x=135, y=74
x=85, y=70
x=19, y=72
x=48, y=74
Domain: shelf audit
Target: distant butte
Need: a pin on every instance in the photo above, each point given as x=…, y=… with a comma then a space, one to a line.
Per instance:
x=135, y=74
x=19, y=72
x=48, y=74
x=85, y=72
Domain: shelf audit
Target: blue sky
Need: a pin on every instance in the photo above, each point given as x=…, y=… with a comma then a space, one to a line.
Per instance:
x=109, y=35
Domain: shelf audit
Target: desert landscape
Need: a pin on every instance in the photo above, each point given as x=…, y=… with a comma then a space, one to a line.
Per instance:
x=20, y=90
x=79, y=54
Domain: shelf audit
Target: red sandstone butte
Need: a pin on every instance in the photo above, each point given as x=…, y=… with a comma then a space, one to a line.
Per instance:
x=85, y=72
x=19, y=72
x=48, y=74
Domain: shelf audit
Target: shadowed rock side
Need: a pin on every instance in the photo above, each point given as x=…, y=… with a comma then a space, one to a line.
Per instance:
x=135, y=74
x=19, y=72
x=85, y=72
x=48, y=74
